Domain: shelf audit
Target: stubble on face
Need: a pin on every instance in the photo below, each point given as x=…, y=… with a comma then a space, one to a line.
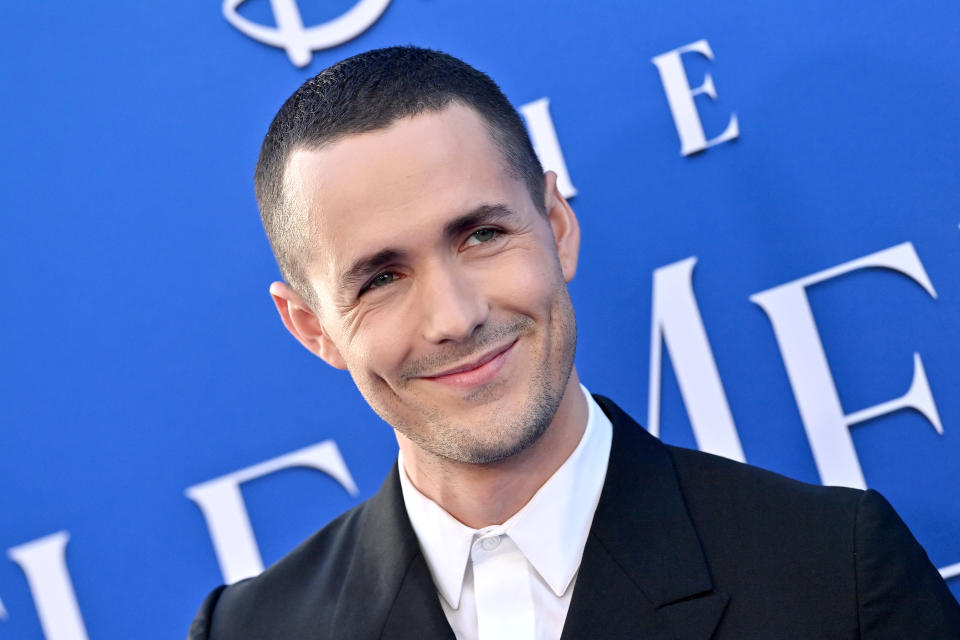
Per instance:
x=400, y=189
x=498, y=432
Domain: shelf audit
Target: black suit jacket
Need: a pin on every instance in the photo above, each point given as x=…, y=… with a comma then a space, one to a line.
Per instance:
x=684, y=545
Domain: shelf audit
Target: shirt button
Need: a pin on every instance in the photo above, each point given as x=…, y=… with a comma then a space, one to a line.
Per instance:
x=491, y=543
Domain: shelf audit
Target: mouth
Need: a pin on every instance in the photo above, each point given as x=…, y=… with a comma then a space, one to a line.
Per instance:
x=477, y=372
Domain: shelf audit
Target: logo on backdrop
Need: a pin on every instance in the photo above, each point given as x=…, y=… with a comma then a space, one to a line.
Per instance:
x=299, y=41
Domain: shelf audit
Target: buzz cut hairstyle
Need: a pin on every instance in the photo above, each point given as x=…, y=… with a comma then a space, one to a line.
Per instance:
x=363, y=93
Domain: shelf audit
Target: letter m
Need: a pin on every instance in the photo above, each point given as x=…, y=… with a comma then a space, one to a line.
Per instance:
x=676, y=322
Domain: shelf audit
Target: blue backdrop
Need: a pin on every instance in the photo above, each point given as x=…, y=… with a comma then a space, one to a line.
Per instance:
x=142, y=355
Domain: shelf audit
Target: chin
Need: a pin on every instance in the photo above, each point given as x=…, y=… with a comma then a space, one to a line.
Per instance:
x=487, y=434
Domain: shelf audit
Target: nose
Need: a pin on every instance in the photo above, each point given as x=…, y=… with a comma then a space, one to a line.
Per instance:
x=453, y=304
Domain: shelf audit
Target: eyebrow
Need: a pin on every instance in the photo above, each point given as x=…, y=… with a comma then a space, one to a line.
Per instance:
x=365, y=266
x=483, y=214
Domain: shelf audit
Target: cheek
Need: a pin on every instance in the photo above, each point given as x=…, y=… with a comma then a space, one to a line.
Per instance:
x=378, y=350
x=529, y=279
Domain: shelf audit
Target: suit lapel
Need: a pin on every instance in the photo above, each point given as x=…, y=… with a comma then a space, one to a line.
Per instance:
x=416, y=613
x=643, y=572
x=388, y=592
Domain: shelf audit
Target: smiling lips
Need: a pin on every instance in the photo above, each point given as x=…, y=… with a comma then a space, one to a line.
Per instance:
x=475, y=373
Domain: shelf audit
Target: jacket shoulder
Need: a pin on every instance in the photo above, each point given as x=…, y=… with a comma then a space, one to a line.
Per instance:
x=707, y=476
x=750, y=517
x=781, y=545
x=301, y=589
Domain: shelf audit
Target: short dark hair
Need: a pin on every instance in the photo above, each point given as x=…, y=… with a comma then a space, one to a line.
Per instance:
x=366, y=92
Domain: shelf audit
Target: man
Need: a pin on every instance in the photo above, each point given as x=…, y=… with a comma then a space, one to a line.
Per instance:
x=425, y=251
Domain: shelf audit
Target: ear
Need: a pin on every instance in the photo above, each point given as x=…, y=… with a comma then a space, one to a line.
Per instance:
x=304, y=325
x=566, y=229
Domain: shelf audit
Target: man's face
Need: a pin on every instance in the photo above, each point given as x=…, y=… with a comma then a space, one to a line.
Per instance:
x=439, y=282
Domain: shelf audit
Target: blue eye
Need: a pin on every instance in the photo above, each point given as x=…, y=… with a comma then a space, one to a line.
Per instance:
x=484, y=235
x=380, y=280
x=481, y=236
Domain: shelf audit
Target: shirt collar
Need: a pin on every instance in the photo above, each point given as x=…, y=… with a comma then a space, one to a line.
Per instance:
x=444, y=540
x=550, y=530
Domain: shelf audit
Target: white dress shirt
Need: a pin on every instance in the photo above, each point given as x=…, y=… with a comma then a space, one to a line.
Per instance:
x=515, y=580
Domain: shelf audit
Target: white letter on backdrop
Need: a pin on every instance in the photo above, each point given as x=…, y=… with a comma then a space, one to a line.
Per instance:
x=680, y=98
x=545, y=143
x=226, y=514
x=44, y=563
x=828, y=428
x=299, y=41
x=676, y=321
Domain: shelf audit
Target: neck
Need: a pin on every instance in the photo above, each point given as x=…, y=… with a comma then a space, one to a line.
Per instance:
x=484, y=495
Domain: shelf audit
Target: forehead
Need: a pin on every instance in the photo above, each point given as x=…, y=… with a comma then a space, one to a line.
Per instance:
x=396, y=185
